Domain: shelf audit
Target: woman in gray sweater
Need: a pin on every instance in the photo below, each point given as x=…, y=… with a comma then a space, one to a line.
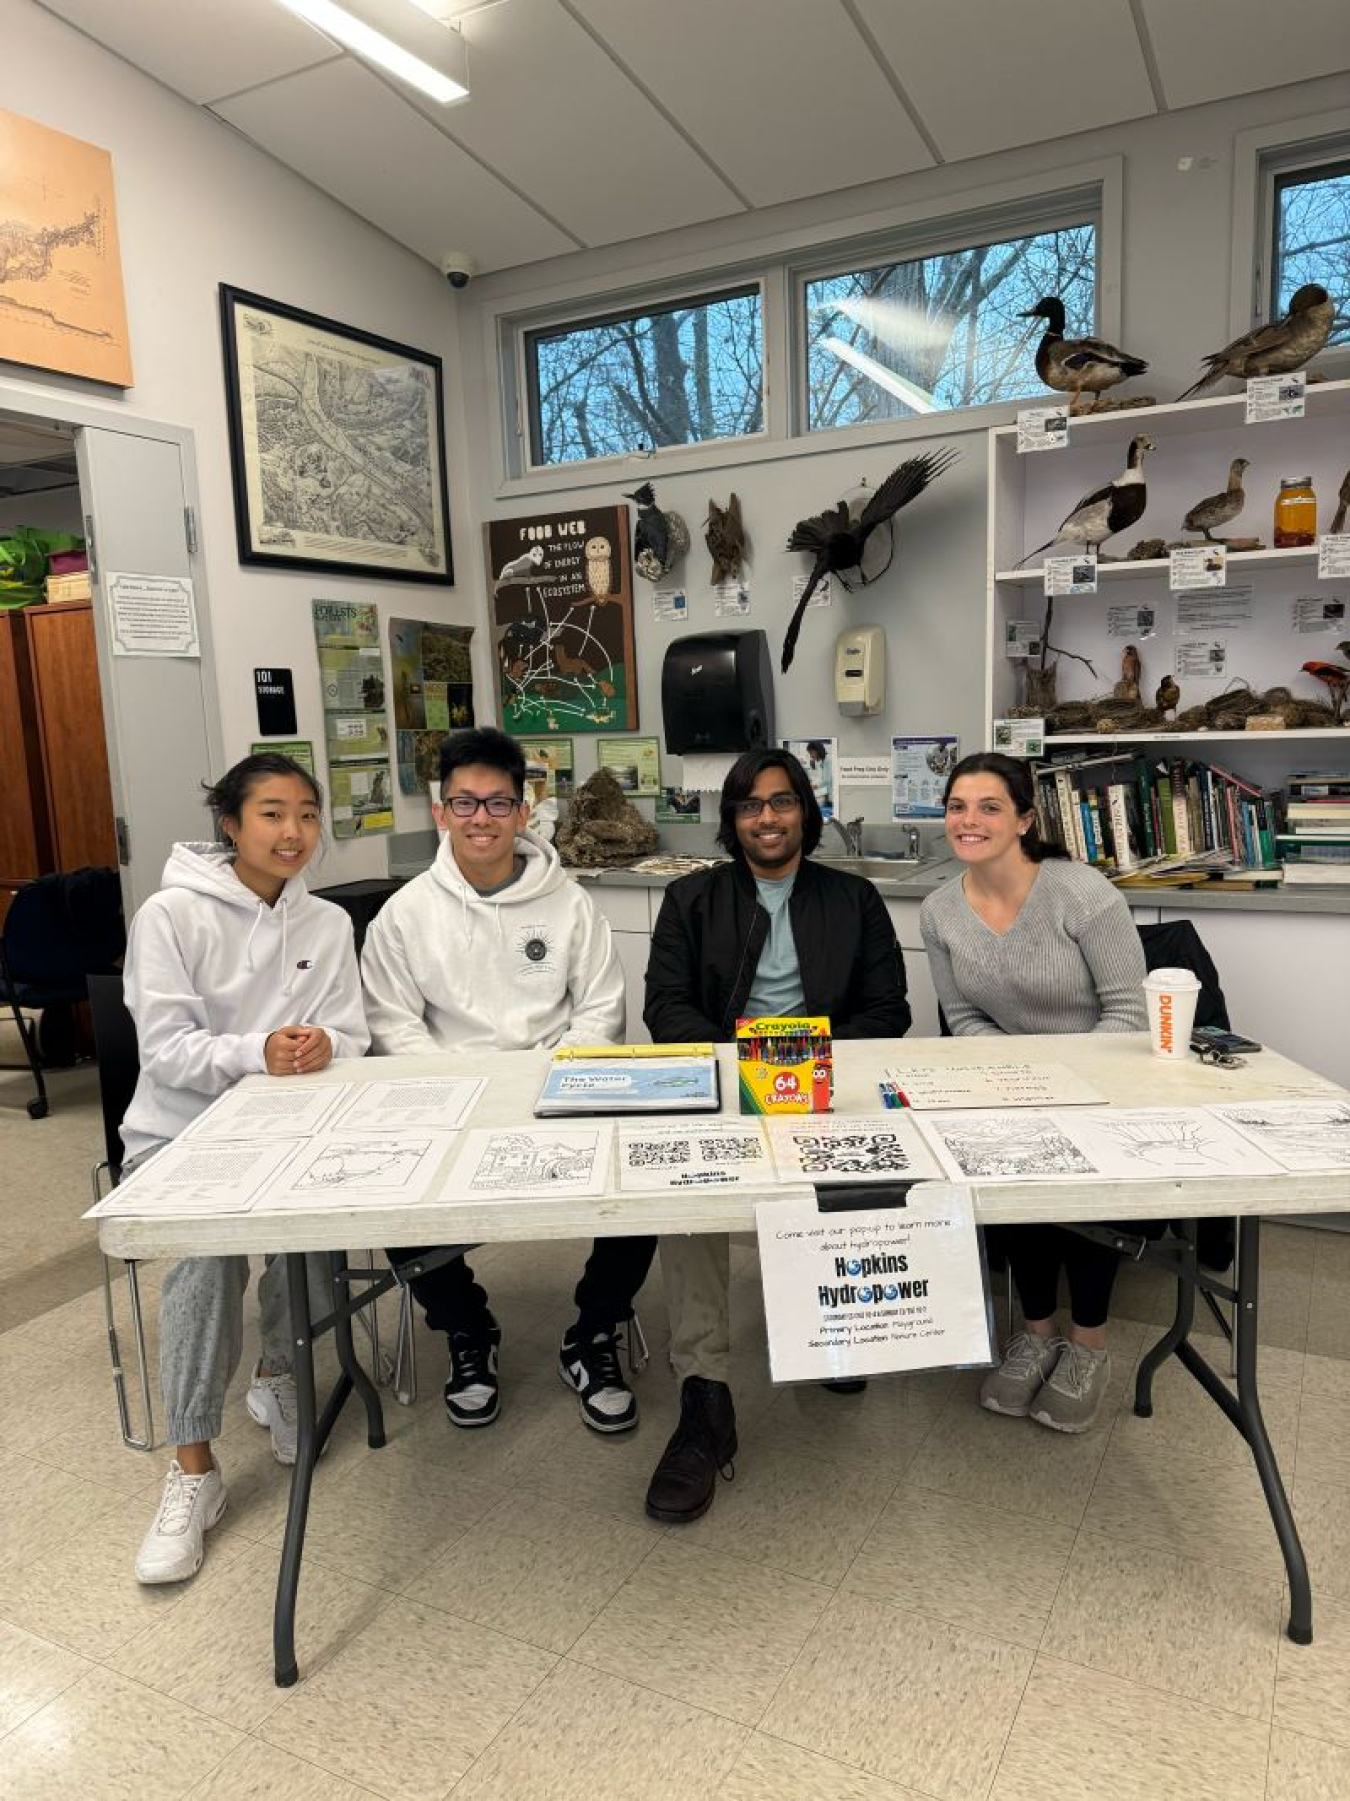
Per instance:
x=1027, y=941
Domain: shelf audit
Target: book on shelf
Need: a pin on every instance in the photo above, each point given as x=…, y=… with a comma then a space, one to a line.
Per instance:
x=1126, y=811
x=1317, y=875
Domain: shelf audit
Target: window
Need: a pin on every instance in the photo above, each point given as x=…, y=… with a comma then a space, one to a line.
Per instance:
x=682, y=373
x=1311, y=220
x=941, y=331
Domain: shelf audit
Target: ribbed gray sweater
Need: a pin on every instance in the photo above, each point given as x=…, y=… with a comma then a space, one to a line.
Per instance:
x=1070, y=962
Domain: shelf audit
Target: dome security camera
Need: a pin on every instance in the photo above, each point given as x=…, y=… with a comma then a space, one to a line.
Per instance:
x=458, y=268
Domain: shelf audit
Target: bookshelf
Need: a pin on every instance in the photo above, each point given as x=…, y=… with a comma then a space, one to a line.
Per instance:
x=1194, y=442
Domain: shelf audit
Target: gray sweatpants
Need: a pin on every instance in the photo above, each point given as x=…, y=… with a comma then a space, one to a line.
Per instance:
x=201, y=1332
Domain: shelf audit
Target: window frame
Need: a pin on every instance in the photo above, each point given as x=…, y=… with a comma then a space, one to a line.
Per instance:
x=528, y=334
x=1084, y=203
x=1285, y=167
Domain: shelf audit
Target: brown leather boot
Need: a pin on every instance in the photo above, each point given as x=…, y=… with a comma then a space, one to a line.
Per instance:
x=701, y=1448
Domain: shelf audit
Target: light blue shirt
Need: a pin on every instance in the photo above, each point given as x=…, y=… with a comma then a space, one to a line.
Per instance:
x=777, y=988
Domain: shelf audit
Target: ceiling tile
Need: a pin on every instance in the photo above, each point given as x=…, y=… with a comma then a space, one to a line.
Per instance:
x=1207, y=53
x=360, y=142
x=201, y=48
x=793, y=107
x=549, y=110
x=1041, y=72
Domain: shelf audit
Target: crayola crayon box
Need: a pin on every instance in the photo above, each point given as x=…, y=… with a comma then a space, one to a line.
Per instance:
x=785, y=1066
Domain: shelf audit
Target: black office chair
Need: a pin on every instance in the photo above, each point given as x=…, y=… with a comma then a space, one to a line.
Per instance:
x=59, y=930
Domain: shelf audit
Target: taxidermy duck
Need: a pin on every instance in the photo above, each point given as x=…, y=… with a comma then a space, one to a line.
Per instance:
x=1275, y=349
x=1077, y=365
x=1219, y=509
x=1106, y=511
x=837, y=538
x=724, y=535
x=659, y=539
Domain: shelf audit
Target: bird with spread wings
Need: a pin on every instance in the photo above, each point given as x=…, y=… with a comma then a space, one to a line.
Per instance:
x=837, y=538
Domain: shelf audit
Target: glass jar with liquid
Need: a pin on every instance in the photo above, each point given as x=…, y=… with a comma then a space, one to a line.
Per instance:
x=1295, y=513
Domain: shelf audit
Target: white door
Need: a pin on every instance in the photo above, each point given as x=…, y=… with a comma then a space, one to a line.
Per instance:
x=161, y=713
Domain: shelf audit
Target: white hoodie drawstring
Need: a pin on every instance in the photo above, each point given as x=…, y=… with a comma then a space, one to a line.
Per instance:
x=288, y=981
x=248, y=943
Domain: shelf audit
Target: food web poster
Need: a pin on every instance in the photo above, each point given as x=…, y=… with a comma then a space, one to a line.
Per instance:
x=432, y=680
x=562, y=601
x=355, y=722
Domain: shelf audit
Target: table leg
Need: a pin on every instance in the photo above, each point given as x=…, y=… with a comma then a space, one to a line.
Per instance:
x=1175, y=1334
x=1254, y=1429
x=302, y=1476
x=348, y=1360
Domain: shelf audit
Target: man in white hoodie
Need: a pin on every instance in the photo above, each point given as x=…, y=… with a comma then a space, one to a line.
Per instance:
x=495, y=948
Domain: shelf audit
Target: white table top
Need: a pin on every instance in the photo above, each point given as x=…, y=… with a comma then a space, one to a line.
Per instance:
x=1119, y=1065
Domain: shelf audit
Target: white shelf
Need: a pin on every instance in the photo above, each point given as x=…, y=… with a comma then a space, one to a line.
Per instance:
x=1216, y=412
x=1161, y=737
x=1033, y=574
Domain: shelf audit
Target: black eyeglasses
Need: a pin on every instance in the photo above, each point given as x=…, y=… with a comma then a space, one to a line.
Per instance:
x=496, y=806
x=780, y=803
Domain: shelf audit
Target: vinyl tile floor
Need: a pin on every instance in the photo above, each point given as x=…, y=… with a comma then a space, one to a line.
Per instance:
x=897, y=1597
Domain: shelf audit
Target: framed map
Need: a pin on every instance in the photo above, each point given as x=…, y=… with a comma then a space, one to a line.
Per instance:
x=562, y=605
x=61, y=300
x=337, y=442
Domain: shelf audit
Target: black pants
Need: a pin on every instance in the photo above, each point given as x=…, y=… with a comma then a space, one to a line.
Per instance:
x=615, y=1270
x=1036, y=1254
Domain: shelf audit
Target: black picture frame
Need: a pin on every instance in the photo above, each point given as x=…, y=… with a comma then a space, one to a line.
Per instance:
x=421, y=550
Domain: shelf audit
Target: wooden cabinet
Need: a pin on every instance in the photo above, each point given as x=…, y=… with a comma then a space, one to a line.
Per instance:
x=56, y=809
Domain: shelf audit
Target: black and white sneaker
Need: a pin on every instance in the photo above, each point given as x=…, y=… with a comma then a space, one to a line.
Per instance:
x=590, y=1365
x=472, y=1395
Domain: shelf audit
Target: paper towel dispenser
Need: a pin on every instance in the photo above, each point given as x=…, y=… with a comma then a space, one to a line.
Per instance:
x=717, y=692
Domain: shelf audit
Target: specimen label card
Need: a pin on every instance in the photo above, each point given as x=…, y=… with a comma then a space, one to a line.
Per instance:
x=1020, y=737
x=1197, y=566
x=1070, y=575
x=542, y=1162
x=731, y=599
x=866, y=1147
x=993, y=1084
x=670, y=603
x=1131, y=621
x=1333, y=556
x=866, y=1293
x=1042, y=428
x=1276, y=397
x=1201, y=657
x=721, y=1153
x=1310, y=613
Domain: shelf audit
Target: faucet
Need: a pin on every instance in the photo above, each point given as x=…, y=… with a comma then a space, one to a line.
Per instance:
x=913, y=844
x=850, y=833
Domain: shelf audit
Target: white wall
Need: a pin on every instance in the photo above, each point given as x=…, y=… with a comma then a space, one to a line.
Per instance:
x=197, y=205
x=1167, y=294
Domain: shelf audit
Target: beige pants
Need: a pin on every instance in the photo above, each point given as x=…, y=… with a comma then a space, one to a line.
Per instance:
x=696, y=1270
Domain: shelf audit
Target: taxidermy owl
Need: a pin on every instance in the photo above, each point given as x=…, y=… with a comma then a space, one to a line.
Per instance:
x=599, y=568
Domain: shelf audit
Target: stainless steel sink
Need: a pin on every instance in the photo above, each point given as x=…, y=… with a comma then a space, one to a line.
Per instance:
x=898, y=868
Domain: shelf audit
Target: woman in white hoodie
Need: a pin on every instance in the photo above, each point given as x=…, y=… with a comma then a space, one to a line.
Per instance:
x=233, y=967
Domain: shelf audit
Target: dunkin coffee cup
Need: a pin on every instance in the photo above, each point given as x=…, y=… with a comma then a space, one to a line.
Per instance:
x=1171, y=995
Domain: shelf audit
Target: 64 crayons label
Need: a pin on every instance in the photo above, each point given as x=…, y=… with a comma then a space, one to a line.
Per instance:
x=785, y=1066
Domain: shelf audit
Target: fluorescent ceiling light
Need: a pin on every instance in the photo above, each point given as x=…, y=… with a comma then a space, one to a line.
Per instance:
x=918, y=398
x=399, y=38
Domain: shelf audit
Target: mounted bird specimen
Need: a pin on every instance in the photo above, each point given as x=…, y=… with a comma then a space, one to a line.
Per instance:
x=1342, y=505
x=1275, y=349
x=1220, y=509
x=725, y=537
x=1336, y=681
x=1078, y=366
x=1131, y=672
x=1106, y=511
x=1168, y=695
x=659, y=539
x=837, y=538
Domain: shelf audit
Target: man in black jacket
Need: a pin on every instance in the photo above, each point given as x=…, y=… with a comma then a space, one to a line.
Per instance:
x=769, y=933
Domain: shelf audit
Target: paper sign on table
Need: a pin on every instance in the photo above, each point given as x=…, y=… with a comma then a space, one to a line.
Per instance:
x=866, y=1293
x=439, y=1103
x=1299, y=1134
x=721, y=1153
x=289, y=1108
x=198, y=1179
x=867, y=1147
x=992, y=1084
x=538, y=1162
x=358, y=1169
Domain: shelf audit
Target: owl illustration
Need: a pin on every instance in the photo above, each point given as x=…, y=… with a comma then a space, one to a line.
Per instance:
x=599, y=567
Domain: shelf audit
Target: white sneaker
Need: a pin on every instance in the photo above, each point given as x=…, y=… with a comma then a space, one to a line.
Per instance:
x=173, y=1548
x=271, y=1401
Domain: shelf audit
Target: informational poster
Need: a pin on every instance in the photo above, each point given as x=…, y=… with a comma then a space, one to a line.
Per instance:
x=1197, y=566
x=1202, y=657
x=1230, y=610
x=863, y=772
x=679, y=806
x=562, y=601
x=1022, y=638
x=274, y=691
x=1020, y=737
x=299, y=750
x=152, y=615
x=919, y=771
x=432, y=680
x=1042, y=428
x=356, y=724
x=635, y=763
x=1333, y=557
x=554, y=757
x=871, y=1292
x=1070, y=575
x=1276, y=397
x=819, y=757
x=1134, y=621
x=1313, y=614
